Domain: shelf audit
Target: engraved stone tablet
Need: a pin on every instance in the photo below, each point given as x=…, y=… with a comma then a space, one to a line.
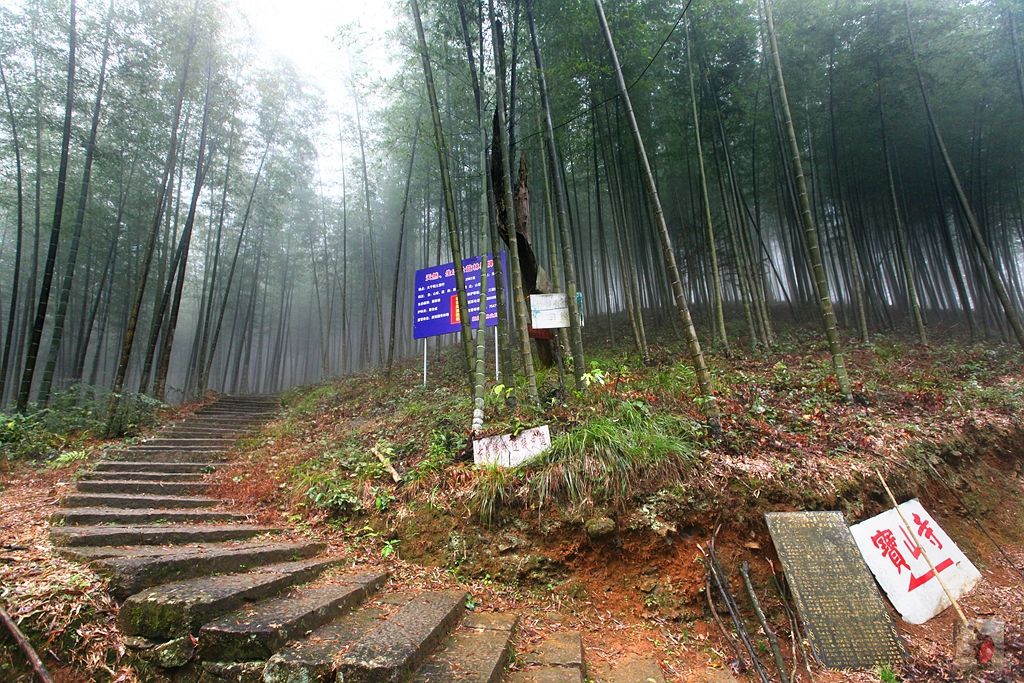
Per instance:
x=845, y=619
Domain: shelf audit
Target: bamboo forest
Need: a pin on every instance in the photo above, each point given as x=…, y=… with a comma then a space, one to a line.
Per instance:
x=617, y=341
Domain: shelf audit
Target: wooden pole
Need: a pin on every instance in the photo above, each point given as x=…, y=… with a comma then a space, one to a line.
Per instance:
x=917, y=542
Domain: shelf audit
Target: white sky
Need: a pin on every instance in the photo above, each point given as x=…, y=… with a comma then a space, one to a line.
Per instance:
x=303, y=32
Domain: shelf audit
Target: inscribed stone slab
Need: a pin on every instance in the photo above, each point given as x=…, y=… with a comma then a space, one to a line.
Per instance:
x=844, y=617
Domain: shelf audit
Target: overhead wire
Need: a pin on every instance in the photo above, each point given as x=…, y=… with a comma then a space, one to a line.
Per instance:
x=635, y=81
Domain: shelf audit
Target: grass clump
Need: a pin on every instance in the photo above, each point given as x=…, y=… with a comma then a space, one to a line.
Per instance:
x=605, y=461
x=445, y=445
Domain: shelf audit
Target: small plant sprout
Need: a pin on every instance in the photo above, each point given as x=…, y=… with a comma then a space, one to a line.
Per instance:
x=595, y=376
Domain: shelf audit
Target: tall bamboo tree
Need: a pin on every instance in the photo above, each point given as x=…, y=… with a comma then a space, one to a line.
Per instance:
x=64, y=296
x=981, y=246
x=828, y=316
x=451, y=214
x=704, y=381
x=58, y=212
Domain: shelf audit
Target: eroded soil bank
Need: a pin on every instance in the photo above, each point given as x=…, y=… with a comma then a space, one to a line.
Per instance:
x=606, y=534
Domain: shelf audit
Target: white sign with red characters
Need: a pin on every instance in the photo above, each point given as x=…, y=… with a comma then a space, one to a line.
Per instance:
x=900, y=567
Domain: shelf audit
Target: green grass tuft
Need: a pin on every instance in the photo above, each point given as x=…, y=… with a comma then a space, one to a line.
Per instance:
x=605, y=462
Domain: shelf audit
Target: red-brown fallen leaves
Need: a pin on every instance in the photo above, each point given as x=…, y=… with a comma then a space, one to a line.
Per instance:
x=61, y=605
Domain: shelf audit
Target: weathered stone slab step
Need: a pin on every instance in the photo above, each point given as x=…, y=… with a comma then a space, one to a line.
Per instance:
x=400, y=644
x=253, y=415
x=143, y=476
x=123, y=500
x=175, y=609
x=547, y=674
x=154, y=466
x=130, y=575
x=230, y=416
x=157, y=535
x=172, y=488
x=477, y=652
x=256, y=632
x=189, y=442
x=249, y=399
x=312, y=659
x=559, y=658
x=226, y=428
x=146, y=447
x=89, y=553
x=116, y=516
x=179, y=457
x=198, y=432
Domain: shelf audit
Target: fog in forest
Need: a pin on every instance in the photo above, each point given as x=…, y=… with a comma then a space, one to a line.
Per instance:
x=182, y=208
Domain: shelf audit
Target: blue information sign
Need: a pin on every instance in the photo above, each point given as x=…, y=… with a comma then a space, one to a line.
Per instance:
x=436, y=309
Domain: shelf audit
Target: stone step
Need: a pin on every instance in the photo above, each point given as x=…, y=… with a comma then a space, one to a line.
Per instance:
x=89, y=553
x=248, y=399
x=256, y=632
x=154, y=466
x=143, y=476
x=216, y=428
x=181, y=607
x=172, y=488
x=265, y=398
x=232, y=413
x=400, y=644
x=112, y=515
x=477, y=652
x=548, y=674
x=312, y=659
x=156, y=535
x=189, y=442
x=122, y=500
x=145, y=447
x=130, y=575
x=235, y=416
x=243, y=408
x=197, y=432
x=167, y=457
x=558, y=659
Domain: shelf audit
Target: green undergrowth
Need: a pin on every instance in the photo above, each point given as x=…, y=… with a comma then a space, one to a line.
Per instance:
x=58, y=432
x=605, y=461
x=635, y=444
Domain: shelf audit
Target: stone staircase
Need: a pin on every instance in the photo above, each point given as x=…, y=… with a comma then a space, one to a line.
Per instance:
x=207, y=595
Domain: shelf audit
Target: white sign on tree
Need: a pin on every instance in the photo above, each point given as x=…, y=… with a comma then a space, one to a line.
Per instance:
x=550, y=311
x=901, y=568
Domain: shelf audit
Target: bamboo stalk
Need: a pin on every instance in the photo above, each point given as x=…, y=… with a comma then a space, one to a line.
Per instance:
x=33, y=658
x=773, y=641
x=741, y=630
x=917, y=542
